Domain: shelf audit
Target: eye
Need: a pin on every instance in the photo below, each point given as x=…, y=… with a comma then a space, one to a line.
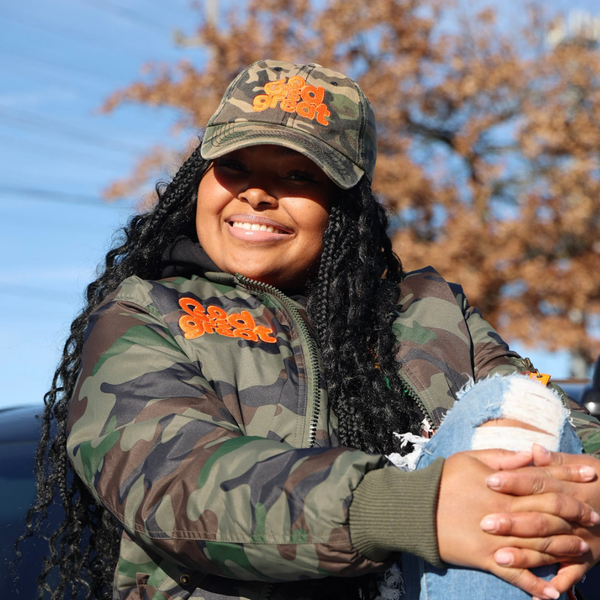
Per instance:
x=299, y=175
x=230, y=164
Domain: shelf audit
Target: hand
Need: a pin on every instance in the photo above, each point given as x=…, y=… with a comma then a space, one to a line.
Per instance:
x=572, y=474
x=464, y=501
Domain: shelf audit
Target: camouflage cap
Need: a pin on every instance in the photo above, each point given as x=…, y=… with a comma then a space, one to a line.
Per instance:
x=315, y=111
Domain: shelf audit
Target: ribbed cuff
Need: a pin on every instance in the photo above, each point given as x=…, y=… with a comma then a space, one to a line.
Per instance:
x=394, y=511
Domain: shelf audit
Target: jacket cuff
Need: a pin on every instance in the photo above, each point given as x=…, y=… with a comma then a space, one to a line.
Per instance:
x=394, y=511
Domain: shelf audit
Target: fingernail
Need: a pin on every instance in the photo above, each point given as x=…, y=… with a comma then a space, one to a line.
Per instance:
x=583, y=547
x=504, y=558
x=595, y=517
x=543, y=450
x=552, y=593
x=489, y=524
x=493, y=481
x=587, y=472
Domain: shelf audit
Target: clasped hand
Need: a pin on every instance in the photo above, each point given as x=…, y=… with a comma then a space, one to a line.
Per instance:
x=507, y=512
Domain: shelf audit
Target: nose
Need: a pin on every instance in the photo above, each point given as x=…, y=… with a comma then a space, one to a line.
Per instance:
x=258, y=197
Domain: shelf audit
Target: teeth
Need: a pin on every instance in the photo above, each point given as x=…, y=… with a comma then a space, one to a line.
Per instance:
x=253, y=226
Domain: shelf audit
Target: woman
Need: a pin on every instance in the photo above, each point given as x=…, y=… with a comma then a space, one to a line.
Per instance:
x=250, y=355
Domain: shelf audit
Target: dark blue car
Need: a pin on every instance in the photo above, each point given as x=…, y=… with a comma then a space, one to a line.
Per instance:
x=19, y=435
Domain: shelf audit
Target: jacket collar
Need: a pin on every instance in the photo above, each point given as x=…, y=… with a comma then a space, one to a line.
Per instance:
x=185, y=258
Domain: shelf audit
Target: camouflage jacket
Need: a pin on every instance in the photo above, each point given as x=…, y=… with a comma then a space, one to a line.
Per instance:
x=200, y=421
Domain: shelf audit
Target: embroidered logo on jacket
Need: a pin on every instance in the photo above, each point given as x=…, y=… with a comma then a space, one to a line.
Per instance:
x=294, y=96
x=197, y=321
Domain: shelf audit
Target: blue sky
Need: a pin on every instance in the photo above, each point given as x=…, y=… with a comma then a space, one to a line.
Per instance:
x=58, y=60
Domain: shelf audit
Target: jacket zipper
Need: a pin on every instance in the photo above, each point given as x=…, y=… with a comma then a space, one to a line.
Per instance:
x=313, y=355
x=408, y=390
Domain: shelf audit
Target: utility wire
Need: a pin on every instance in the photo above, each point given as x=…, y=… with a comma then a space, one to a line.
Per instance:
x=128, y=14
x=38, y=293
x=63, y=32
x=56, y=196
x=71, y=155
x=15, y=116
x=42, y=64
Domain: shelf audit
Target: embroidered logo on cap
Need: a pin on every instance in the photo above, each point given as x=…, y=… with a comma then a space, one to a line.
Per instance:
x=294, y=96
x=197, y=321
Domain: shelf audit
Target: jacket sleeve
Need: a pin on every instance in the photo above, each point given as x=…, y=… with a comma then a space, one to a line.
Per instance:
x=156, y=446
x=491, y=356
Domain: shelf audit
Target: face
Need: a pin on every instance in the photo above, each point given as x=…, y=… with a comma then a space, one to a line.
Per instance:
x=262, y=212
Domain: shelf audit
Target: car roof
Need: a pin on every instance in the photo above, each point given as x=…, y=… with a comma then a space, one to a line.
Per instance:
x=20, y=423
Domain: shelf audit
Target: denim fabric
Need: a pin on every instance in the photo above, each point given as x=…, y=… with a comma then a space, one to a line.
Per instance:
x=422, y=581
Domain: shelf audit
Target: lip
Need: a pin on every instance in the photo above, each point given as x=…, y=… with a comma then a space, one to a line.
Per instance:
x=257, y=236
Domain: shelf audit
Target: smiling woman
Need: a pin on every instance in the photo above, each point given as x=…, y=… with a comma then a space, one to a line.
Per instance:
x=262, y=212
x=253, y=366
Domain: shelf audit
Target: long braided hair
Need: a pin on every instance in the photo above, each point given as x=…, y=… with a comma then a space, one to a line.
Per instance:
x=351, y=302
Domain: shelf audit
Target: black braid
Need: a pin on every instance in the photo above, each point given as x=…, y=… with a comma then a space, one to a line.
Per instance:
x=351, y=303
x=84, y=550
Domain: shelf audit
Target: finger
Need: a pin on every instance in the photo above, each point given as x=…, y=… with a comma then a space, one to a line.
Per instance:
x=568, y=575
x=572, y=473
x=531, y=524
x=560, y=505
x=528, y=582
x=538, y=480
x=542, y=458
x=502, y=459
x=559, y=548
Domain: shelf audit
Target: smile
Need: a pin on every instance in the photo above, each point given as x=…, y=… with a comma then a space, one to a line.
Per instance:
x=250, y=228
x=256, y=227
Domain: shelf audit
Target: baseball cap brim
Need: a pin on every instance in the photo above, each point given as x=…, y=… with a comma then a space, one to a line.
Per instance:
x=227, y=137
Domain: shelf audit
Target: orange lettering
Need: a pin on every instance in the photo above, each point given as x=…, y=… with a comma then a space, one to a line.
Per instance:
x=297, y=82
x=275, y=87
x=246, y=335
x=196, y=322
x=263, y=334
x=261, y=102
x=312, y=94
x=288, y=105
x=241, y=320
x=322, y=112
x=276, y=99
x=304, y=109
x=294, y=95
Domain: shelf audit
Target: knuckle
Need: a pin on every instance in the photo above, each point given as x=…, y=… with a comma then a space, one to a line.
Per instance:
x=514, y=576
x=584, y=512
x=538, y=485
x=545, y=545
x=557, y=503
x=541, y=524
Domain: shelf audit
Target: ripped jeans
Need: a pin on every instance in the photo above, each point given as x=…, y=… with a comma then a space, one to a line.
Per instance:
x=514, y=397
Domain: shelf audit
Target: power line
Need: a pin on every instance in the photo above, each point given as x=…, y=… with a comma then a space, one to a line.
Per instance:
x=57, y=196
x=73, y=154
x=43, y=64
x=33, y=120
x=128, y=14
x=54, y=29
x=37, y=293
